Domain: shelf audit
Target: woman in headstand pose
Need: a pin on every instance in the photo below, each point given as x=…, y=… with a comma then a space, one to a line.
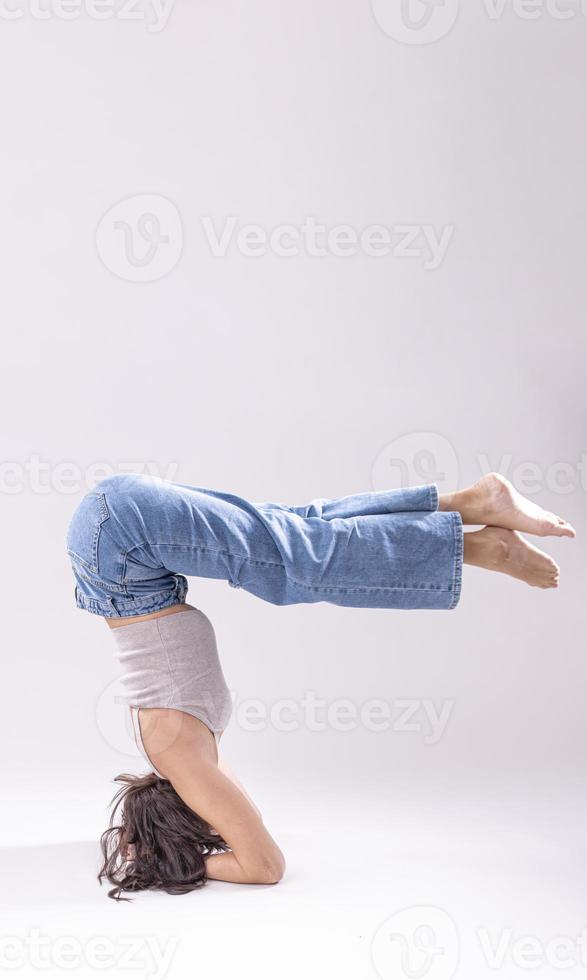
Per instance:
x=132, y=540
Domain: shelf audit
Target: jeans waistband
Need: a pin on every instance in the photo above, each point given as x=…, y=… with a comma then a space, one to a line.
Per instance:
x=114, y=606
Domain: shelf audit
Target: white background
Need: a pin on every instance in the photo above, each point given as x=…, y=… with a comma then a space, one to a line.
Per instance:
x=288, y=378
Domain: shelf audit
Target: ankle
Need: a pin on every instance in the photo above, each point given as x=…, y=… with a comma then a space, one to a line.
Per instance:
x=472, y=548
x=488, y=548
x=462, y=502
x=450, y=501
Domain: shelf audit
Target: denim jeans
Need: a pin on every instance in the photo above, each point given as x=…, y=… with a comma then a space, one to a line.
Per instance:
x=134, y=538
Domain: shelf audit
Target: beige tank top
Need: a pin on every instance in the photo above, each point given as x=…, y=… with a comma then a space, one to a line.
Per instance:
x=172, y=662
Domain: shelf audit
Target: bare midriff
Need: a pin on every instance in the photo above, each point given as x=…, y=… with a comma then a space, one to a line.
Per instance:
x=168, y=611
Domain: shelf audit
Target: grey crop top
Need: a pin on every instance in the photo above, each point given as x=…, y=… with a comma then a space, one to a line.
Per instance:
x=172, y=662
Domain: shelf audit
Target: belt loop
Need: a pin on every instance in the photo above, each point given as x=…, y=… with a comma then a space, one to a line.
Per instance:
x=112, y=607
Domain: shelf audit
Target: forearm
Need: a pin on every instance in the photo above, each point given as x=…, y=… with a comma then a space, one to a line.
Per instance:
x=225, y=768
x=186, y=761
x=254, y=857
x=225, y=867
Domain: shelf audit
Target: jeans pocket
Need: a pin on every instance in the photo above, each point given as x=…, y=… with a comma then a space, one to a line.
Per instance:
x=92, y=584
x=83, y=533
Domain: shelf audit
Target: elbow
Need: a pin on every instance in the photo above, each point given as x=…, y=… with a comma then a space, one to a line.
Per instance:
x=268, y=872
x=269, y=876
x=275, y=872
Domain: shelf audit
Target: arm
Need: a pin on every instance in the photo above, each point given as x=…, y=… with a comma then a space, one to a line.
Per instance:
x=254, y=857
x=181, y=752
x=225, y=768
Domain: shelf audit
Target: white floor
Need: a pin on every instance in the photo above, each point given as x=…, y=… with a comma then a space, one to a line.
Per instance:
x=497, y=881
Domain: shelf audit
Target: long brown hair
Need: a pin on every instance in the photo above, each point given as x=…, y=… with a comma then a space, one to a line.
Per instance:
x=158, y=841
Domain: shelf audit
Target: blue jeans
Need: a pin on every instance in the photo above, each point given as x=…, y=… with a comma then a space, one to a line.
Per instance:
x=133, y=539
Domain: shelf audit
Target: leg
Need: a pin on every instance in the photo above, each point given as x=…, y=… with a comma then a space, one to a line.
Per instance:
x=355, y=551
x=424, y=498
x=135, y=536
x=403, y=500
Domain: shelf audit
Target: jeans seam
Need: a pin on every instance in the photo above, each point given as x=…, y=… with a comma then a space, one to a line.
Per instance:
x=200, y=548
x=103, y=516
x=458, y=536
x=360, y=590
x=313, y=588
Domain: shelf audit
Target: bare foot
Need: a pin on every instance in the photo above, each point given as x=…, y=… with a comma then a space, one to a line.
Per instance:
x=501, y=550
x=494, y=501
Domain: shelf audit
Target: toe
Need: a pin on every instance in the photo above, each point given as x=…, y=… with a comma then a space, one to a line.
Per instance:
x=548, y=524
x=551, y=525
x=566, y=529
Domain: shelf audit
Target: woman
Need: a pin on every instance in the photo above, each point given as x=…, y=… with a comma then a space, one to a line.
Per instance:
x=132, y=540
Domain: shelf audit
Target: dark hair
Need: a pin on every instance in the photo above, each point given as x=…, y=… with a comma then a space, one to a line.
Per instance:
x=159, y=841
